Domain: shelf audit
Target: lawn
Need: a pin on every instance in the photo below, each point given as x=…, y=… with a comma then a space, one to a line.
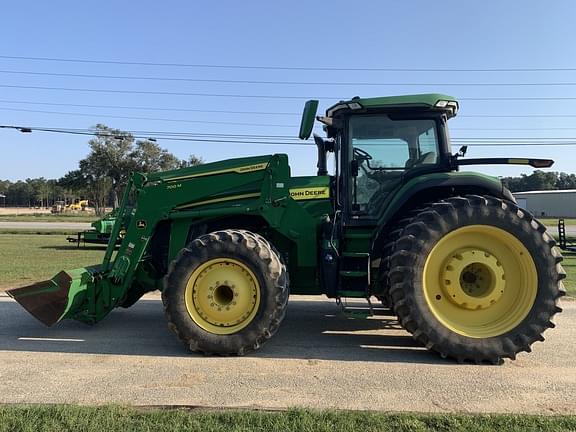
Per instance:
x=115, y=418
x=569, y=265
x=26, y=258
x=554, y=222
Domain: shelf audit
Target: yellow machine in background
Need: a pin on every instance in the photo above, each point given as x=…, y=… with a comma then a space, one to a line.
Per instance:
x=77, y=205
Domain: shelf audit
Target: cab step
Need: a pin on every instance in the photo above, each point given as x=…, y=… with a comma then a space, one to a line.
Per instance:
x=355, y=310
x=354, y=274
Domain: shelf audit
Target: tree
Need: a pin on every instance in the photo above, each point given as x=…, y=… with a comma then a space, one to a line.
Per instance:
x=19, y=194
x=566, y=181
x=101, y=175
x=90, y=184
x=110, y=157
x=150, y=157
x=113, y=156
x=192, y=161
x=540, y=180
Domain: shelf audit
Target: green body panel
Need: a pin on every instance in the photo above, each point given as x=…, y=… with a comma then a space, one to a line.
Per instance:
x=441, y=179
x=357, y=239
x=104, y=226
x=93, y=236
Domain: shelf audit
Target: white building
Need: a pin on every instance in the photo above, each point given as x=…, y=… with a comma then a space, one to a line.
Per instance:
x=549, y=203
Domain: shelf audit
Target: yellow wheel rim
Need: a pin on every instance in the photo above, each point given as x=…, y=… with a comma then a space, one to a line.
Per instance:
x=222, y=296
x=480, y=281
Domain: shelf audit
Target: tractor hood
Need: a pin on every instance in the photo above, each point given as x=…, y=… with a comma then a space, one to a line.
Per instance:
x=239, y=166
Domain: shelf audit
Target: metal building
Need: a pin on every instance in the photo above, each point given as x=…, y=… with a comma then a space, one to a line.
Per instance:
x=549, y=203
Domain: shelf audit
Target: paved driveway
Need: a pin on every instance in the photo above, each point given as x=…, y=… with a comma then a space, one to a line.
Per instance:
x=318, y=359
x=78, y=226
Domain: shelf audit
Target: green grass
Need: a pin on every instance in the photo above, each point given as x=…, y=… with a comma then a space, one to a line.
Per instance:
x=49, y=218
x=26, y=258
x=115, y=418
x=39, y=231
x=554, y=222
x=569, y=265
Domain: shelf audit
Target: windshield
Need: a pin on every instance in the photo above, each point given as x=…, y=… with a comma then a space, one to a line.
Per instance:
x=384, y=149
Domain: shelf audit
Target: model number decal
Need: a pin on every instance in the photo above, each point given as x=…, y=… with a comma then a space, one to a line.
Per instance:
x=251, y=168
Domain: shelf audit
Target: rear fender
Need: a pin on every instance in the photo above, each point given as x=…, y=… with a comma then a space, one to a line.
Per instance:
x=430, y=188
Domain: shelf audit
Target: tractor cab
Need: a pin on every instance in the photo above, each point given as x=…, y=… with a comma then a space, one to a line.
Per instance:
x=381, y=143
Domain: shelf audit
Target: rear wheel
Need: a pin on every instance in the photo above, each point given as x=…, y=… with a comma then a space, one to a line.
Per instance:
x=226, y=293
x=475, y=278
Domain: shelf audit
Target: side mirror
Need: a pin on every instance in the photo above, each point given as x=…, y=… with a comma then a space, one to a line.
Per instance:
x=308, y=117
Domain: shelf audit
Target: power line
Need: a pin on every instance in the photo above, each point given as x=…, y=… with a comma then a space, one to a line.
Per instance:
x=150, y=108
x=149, y=133
x=314, y=83
x=519, y=144
x=522, y=98
x=148, y=118
x=95, y=133
x=514, y=129
x=303, y=68
x=474, y=142
x=249, y=96
x=242, y=123
x=202, y=134
x=519, y=139
x=516, y=115
x=167, y=93
x=199, y=110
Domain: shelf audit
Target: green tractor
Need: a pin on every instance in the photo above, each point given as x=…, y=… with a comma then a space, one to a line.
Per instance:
x=100, y=231
x=469, y=274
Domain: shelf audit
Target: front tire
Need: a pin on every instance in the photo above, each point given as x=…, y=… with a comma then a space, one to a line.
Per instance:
x=475, y=278
x=226, y=293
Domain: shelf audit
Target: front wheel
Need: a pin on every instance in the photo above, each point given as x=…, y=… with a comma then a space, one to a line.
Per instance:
x=226, y=293
x=475, y=278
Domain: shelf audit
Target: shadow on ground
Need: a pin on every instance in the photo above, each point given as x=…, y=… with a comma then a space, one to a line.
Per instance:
x=313, y=330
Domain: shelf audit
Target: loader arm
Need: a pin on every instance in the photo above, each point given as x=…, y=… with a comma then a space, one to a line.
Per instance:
x=248, y=186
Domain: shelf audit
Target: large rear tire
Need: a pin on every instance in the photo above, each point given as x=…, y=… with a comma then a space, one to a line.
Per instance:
x=475, y=278
x=226, y=293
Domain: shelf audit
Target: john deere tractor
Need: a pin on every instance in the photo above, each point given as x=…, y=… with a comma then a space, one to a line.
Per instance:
x=469, y=274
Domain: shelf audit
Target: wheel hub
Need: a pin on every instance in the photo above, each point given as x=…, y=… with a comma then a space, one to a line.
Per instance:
x=480, y=281
x=222, y=296
x=473, y=279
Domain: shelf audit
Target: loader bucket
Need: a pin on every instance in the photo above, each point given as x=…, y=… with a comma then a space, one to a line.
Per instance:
x=49, y=301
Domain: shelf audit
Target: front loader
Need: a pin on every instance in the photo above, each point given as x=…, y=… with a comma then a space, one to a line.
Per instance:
x=469, y=274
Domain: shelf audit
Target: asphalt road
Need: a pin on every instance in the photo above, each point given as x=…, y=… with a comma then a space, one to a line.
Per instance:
x=318, y=359
x=79, y=226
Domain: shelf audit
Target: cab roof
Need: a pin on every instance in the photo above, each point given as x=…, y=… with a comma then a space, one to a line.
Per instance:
x=435, y=101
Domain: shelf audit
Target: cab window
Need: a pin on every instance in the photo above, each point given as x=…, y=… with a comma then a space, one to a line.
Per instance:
x=384, y=149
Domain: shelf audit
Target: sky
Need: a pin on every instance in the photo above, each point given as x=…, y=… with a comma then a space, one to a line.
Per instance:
x=320, y=39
